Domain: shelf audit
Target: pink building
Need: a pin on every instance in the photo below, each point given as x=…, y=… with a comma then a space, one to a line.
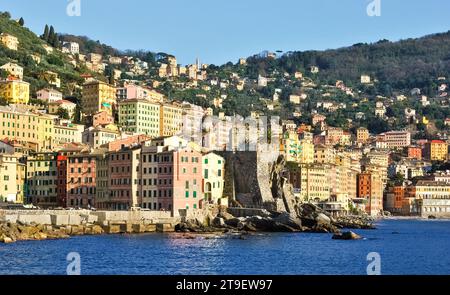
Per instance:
x=124, y=176
x=101, y=119
x=179, y=180
x=81, y=179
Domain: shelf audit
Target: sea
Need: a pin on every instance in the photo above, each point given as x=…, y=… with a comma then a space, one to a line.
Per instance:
x=396, y=247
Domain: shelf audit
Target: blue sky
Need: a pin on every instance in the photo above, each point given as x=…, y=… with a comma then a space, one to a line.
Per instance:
x=218, y=31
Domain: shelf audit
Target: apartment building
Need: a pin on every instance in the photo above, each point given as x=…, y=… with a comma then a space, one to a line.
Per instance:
x=140, y=116
x=42, y=179
x=98, y=96
x=15, y=91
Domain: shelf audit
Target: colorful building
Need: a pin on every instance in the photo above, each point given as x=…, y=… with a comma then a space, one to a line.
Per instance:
x=436, y=150
x=18, y=123
x=97, y=97
x=49, y=95
x=42, y=180
x=15, y=91
x=170, y=119
x=140, y=116
x=213, y=167
x=81, y=180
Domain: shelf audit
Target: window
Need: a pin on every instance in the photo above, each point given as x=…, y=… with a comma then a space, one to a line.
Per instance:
x=206, y=161
x=195, y=194
x=206, y=173
x=187, y=194
x=187, y=184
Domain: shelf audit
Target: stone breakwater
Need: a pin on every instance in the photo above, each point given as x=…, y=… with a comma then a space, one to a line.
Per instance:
x=24, y=225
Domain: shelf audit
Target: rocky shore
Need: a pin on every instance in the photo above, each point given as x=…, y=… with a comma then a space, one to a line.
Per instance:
x=308, y=218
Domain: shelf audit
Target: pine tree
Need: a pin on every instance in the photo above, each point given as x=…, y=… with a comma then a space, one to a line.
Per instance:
x=51, y=35
x=21, y=21
x=46, y=33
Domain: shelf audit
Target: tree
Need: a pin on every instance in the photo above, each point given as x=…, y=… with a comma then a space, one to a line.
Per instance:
x=21, y=22
x=63, y=113
x=46, y=34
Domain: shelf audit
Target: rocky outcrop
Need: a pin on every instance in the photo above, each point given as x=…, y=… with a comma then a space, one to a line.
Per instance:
x=347, y=236
x=355, y=222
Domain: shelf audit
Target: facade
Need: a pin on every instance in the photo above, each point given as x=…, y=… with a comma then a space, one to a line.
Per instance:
x=102, y=179
x=97, y=97
x=72, y=47
x=433, y=198
x=53, y=107
x=362, y=135
x=436, y=150
x=395, y=139
x=15, y=91
x=102, y=119
x=315, y=185
x=124, y=173
x=140, y=116
x=370, y=189
x=49, y=95
x=42, y=180
x=66, y=133
x=179, y=180
x=414, y=152
x=11, y=179
x=170, y=119
x=213, y=167
x=98, y=136
x=13, y=69
x=17, y=123
x=81, y=180
x=395, y=198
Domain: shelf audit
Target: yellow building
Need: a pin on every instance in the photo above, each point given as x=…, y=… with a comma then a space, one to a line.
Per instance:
x=42, y=180
x=140, y=116
x=97, y=97
x=15, y=91
x=362, y=135
x=170, y=119
x=11, y=179
x=9, y=41
x=17, y=123
x=436, y=150
x=314, y=179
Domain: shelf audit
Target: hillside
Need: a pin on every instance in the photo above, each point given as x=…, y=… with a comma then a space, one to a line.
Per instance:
x=398, y=66
x=34, y=72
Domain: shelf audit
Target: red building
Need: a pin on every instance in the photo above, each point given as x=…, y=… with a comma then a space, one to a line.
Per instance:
x=61, y=164
x=81, y=180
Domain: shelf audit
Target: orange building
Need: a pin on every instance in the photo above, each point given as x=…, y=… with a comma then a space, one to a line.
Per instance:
x=414, y=152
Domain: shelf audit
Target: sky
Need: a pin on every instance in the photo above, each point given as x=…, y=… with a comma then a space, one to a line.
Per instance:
x=218, y=31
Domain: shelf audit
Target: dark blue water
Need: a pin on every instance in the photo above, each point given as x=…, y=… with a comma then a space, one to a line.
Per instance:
x=405, y=246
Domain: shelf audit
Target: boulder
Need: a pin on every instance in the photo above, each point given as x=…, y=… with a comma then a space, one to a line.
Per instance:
x=218, y=222
x=289, y=220
x=225, y=215
x=323, y=219
x=97, y=230
x=6, y=240
x=347, y=236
